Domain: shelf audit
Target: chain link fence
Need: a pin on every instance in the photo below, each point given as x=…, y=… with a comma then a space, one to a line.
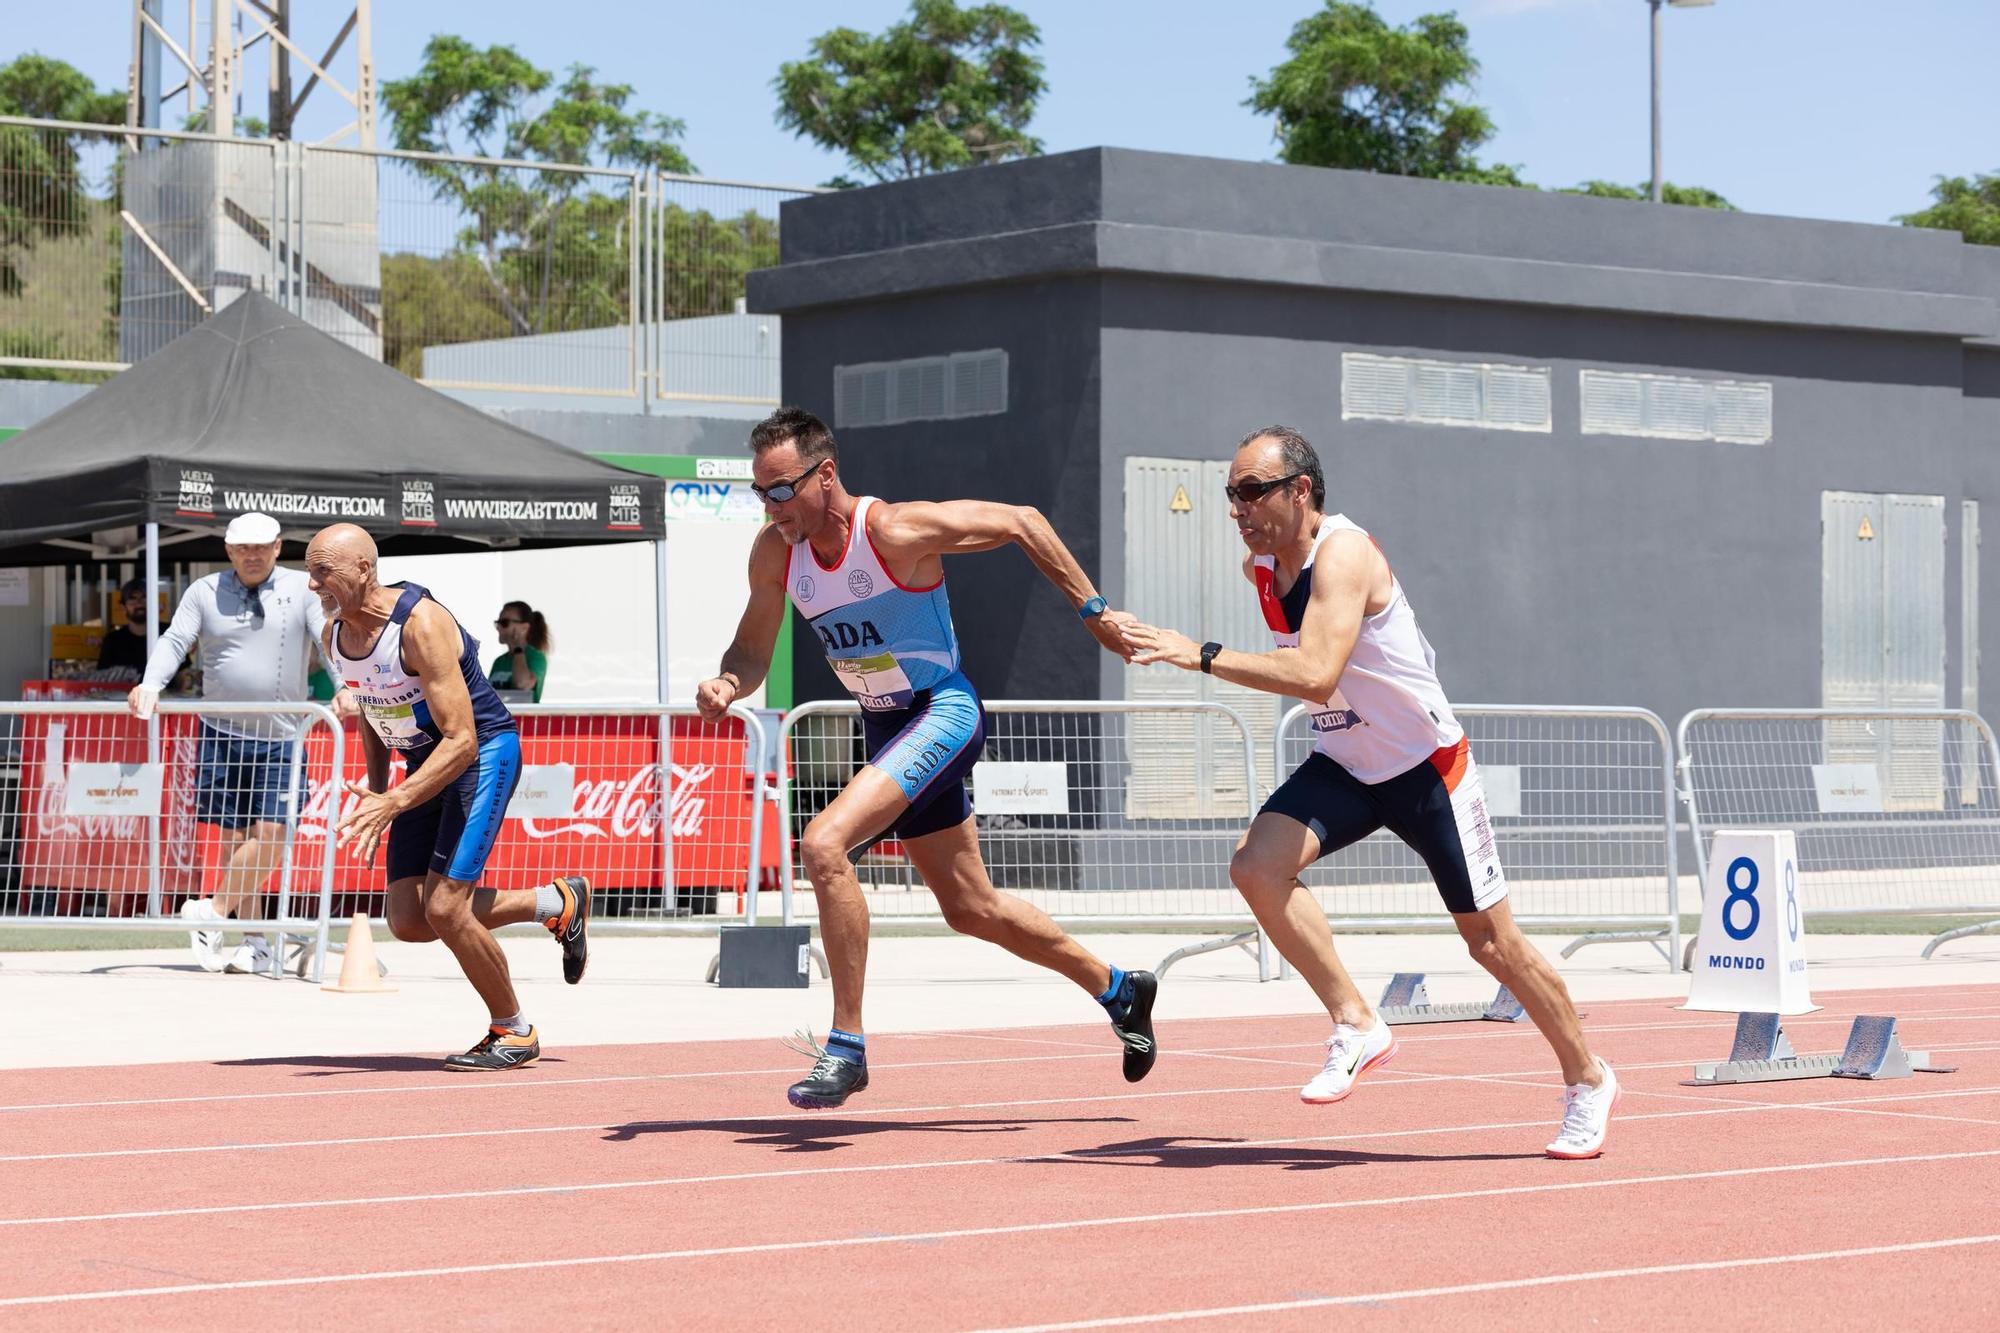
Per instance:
x=478, y=275
x=1895, y=810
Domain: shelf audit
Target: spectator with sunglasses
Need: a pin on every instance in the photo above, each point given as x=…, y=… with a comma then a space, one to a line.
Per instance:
x=258, y=627
x=525, y=635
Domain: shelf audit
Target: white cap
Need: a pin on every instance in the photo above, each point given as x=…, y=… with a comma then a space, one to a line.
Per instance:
x=251, y=529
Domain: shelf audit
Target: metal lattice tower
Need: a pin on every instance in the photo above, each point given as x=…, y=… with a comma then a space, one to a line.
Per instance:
x=205, y=63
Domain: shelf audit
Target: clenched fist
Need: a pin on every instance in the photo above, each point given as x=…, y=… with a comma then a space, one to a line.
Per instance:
x=713, y=697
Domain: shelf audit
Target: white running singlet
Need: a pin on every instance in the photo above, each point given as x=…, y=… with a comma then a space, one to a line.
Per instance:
x=1388, y=713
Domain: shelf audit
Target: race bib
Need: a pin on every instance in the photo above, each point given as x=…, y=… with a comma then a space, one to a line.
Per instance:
x=876, y=683
x=396, y=724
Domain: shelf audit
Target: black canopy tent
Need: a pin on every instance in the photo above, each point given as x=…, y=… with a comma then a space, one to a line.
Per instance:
x=255, y=409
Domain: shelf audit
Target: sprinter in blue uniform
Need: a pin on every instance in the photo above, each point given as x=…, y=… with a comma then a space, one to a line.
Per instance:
x=869, y=578
x=415, y=673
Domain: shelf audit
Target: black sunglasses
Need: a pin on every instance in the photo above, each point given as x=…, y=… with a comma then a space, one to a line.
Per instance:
x=785, y=490
x=1249, y=492
x=502, y=624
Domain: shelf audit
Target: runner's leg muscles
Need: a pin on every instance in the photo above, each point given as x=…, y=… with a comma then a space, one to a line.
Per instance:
x=950, y=864
x=1498, y=945
x=1265, y=870
x=869, y=804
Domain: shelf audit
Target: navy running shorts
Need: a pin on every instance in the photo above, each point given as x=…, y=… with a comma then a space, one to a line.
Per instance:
x=240, y=781
x=1438, y=808
x=929, y=748
x=453, y=832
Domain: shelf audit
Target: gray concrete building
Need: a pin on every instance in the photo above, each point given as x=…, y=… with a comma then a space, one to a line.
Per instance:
x=1617, y=453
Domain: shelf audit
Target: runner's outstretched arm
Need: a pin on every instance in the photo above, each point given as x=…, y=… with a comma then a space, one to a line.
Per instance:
x=748, y=658
x=961, y=527
x=1310, y=671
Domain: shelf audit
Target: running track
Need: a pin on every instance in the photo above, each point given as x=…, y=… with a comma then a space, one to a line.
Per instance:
x=1013, y=1180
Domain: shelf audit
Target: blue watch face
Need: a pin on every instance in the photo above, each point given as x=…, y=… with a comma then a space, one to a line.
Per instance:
x=1094, y=607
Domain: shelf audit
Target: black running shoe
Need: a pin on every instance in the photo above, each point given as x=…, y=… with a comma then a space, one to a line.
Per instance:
x=571, y=929
x=831, y=1082
x=1137, y=1029
x=498, y=1049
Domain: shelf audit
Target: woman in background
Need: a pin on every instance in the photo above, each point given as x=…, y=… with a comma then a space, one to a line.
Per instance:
x=525, y=636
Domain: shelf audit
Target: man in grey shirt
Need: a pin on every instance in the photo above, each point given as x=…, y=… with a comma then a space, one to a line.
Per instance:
x=260, y=631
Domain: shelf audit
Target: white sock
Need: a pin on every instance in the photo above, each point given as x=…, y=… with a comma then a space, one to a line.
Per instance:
x=514, y=1023
x=548, y=902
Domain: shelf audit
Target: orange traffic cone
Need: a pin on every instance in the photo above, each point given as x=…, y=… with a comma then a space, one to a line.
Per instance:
x=358, y=973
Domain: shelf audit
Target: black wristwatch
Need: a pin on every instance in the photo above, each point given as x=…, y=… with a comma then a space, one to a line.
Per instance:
x=1208, y=652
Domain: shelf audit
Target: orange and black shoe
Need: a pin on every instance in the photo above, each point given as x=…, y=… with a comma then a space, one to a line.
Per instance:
x=571, y=926
x=498, y=1049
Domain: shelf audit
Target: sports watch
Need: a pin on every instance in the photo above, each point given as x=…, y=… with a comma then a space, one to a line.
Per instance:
x=1208, y=652
x=1096, y=606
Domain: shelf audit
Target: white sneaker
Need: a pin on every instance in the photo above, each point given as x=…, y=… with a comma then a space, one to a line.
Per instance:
x=207, y=944
x=1586, y=1117
x=1350, y=1053
x=253, y=955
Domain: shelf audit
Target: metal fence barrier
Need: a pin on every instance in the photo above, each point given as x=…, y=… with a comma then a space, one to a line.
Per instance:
x=1581, y=803
x=478, y=275
x=107, y=821
x=1071, y=816
x=1895, y=810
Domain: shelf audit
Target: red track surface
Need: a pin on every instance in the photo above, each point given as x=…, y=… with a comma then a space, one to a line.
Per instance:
x=1011, y=1179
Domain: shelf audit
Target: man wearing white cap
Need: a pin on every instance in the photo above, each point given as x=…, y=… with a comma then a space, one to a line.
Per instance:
x=260, y=634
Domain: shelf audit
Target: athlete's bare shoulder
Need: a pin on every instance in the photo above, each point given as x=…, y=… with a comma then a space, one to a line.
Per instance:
x=769, y=556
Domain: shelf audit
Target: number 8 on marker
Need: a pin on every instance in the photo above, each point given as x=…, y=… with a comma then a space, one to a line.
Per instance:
x=1792, y=901
x=1746, y=894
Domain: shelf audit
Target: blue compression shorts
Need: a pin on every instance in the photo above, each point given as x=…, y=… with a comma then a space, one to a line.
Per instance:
x=453, y=832
x=929, y=748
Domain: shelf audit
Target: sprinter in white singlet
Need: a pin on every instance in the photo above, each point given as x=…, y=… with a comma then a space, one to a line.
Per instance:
x=415, y=673
x=1389, y=755
x=868, y=577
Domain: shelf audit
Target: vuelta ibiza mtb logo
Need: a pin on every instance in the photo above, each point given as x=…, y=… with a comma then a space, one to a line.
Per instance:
x=419, y=504
x=197, y=499
x=804, y=587
x=625, y=507
x=861, y=583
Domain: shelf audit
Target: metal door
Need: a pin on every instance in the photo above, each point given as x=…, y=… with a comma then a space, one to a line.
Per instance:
x=1882, y=636
x=1184, y=571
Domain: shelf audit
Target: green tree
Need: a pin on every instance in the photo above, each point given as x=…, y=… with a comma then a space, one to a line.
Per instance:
x=1359, y=94
x=946, y=88
x=553, y=249
x=1969, y=207
x=1690, y=196
x=43, y=192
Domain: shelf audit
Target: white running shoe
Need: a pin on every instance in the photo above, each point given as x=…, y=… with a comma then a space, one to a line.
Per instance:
x=207, y=944
x=1586, y=1117
x=253, y=955
x=1350, y=1053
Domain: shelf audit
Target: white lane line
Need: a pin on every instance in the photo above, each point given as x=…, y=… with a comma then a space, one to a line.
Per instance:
x=966, y=1233
x=1506, y=1284
x=1084, y=1155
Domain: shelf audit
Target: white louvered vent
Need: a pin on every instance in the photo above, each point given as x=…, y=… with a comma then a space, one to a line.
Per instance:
x=1443, y=393
x=1675, y=407
x=926, y=388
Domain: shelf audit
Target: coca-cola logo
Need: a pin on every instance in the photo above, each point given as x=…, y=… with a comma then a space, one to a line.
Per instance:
x=610, y=807
x=52, y=819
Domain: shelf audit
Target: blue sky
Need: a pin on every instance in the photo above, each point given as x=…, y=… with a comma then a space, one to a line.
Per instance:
x=1817, y=108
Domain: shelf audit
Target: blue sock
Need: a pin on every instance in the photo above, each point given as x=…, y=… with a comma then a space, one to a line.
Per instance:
x=847, y=1045
x=1117, y=997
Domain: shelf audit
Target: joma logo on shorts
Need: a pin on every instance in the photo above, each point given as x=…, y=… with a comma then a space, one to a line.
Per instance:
x=840, y=634
x=926, y=763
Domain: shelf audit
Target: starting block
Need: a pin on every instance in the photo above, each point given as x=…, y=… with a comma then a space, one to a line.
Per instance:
x=1404, y=1000
x=1761, y=1053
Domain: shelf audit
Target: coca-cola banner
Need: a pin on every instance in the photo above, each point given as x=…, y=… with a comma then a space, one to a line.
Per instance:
x=610, y=829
